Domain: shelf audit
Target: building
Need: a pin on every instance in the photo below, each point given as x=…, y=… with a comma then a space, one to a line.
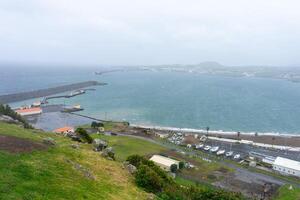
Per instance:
x=29, y=111
x=64, y=130
x=164, y=162
x=287, y=166
x=162, y=135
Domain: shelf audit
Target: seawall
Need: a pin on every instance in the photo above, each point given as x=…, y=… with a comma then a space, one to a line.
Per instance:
x=9, y=98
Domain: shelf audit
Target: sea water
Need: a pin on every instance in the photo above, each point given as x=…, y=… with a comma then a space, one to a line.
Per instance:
x=173, y=99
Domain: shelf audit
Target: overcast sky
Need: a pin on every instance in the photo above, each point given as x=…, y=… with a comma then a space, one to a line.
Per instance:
x=132, y=32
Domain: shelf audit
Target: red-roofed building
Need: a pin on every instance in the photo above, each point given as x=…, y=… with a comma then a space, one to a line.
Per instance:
x=29, y=111
x=64, y=130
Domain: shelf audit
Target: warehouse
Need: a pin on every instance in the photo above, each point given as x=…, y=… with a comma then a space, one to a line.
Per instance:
x=287, y=166
x=164, y=162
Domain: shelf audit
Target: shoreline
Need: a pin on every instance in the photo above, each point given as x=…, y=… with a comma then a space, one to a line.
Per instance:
x=214, y=132
x=288, y=140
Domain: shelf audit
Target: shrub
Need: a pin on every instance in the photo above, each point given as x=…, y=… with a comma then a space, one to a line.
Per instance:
x=181, y=165
x=148, y=179
x=135, y=160
x=84, y=135
x=173, y=168
x=95, y=124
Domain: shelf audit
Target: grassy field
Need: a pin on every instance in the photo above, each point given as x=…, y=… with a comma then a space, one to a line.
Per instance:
x=125, y=146
x=285, y=193
x=52, y=173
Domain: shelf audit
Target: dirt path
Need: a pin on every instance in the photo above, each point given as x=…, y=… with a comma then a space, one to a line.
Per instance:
x=19, y=145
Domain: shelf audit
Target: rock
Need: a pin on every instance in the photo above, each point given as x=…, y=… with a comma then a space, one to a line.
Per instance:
x=99, y=144
x=75, y=138
x=49, y=141
x=85, y=171
x=8, y=119
x=75, y=146
x=131, y=168
x=151, y=196
x=108, y=153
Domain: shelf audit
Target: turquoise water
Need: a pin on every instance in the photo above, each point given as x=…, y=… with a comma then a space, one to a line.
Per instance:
x=181, y=100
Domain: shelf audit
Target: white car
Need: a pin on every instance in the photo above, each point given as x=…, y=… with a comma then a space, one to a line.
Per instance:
x=199, y=146
x=214, y=149
x=237, y=156
x=229, y=154
x=206, y=148
x=221, y=152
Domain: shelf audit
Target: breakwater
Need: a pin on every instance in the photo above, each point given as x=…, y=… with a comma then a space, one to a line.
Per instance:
x=9, y=98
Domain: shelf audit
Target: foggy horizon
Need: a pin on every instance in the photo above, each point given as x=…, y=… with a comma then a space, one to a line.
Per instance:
x=130, y=33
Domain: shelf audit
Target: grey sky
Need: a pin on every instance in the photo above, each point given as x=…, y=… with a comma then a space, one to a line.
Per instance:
x=121, y=32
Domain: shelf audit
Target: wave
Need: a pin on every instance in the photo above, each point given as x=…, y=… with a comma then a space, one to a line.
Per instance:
x=215, y=132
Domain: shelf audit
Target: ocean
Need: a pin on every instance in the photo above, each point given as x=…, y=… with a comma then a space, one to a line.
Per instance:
x=173, y=99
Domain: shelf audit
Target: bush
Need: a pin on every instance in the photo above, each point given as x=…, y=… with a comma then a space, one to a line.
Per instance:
x=84, y=135
x=135, y=160
x=181, y=165
x=95, y=124
x=173, y=168
x=148, y=179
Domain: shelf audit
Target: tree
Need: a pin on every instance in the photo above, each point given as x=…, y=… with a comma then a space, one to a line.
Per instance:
x=94, y=124
x=181, y=165
x=238, y=135
x=84, y=135
x=273, y=139
x=207, y=129
x=173, y=168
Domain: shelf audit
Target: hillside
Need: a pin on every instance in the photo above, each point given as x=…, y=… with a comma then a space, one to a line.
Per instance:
x=30, y=169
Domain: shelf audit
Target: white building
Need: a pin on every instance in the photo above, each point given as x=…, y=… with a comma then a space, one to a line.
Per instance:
x=164, y=162
x=287, y=166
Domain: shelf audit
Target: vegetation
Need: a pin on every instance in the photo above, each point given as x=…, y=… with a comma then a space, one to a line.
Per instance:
x=181, y=165
x=173, y=168
x=153, y=179
x=95, y=124
x=285, y=193
x=59, y=172
x=125, y=146
x=84, y=135
x=6, y=110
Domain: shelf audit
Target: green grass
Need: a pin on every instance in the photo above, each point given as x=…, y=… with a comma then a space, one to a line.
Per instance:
x=47, y=174
x=125, y=146
x=285, y=193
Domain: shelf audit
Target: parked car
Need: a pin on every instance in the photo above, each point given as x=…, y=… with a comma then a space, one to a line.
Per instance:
x=199, y=146
x=229, y=154
x=237, y=156
x=214, y=149
x=206, y=148
x=221, y=152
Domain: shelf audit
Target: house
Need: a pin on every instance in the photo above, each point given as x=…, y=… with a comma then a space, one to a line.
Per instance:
x=64, y=130
x=164, y=162
x=287, y=166
x=29, y=111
